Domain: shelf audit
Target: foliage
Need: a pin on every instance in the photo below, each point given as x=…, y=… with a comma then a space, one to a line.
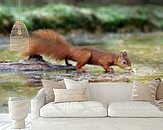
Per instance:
x=6, y=19
x=114, y=18
x=60, y=17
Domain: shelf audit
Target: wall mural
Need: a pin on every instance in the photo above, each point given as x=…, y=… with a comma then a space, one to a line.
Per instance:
x=126, y=39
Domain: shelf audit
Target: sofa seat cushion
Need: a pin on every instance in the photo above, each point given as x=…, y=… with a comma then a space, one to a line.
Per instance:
x=133, y=109
x=74, y=109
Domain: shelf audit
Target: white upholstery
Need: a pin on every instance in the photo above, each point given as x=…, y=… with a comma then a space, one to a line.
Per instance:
x=133, y=109
x=36, y=104
x=105, y=93
x=106, y=123
x=71, y=84
x=110, y=92
x=74, y=109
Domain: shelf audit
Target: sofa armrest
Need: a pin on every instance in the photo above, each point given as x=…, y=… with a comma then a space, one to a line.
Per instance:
x=36, y=103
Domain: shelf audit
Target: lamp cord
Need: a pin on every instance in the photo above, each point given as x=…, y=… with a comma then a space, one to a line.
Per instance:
x=19, y=9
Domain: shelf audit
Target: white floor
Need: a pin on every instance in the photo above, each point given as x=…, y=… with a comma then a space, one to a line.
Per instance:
x=8, y=126
x=5, y=122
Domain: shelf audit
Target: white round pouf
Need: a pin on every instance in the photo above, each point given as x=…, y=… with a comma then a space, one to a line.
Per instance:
x=18, y=110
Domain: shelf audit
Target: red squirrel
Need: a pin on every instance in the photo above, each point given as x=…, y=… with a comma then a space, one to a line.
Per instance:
x=49, y=43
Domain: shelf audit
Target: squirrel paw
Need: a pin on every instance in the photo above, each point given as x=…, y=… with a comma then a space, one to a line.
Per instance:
x=80, y=70
x=68, y=64
x=110, y=70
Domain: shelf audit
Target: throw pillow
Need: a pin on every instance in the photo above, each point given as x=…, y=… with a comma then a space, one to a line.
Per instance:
x=48, y=86
x=144, y=91
x=70, y=95
x=71, y=84
x=159, y=93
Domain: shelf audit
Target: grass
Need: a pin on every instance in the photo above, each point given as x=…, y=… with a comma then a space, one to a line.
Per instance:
x=145, y=51
x=12, y=84
x=5, y=54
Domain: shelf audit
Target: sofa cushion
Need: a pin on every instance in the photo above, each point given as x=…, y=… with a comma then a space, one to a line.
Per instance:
x=133, y=109
x=159, y=93
x=70, y=95
x=74, y=109
x=71, y=84
x=48, y=86
x=145, y=91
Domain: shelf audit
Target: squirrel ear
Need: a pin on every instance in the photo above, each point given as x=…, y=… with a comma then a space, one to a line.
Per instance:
x=123, y=53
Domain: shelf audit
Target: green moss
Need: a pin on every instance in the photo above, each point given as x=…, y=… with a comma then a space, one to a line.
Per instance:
x=147, y=78
x=12, y=86
x=5, y=54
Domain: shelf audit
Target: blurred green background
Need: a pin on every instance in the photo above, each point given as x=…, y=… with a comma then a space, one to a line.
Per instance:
x=90, y=15
x=132, y=25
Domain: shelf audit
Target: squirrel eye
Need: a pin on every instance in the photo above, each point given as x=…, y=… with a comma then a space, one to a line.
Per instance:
x=124, y=62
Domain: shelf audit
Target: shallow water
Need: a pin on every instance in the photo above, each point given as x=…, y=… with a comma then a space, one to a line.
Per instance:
x=144, y=50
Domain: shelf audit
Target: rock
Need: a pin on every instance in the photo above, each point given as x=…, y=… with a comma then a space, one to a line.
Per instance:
x=34, y=70
x=32, y=64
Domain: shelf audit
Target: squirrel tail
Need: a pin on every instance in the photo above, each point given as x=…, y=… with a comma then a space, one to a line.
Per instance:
x=48, y=43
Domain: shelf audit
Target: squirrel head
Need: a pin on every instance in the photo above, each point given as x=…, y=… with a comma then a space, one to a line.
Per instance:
x=123, y=61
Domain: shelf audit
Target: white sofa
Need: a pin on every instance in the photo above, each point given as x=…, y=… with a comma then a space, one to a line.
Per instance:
x=115, y=111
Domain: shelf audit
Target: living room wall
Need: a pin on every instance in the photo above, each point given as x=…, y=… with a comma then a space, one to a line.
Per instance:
x=134, y=27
